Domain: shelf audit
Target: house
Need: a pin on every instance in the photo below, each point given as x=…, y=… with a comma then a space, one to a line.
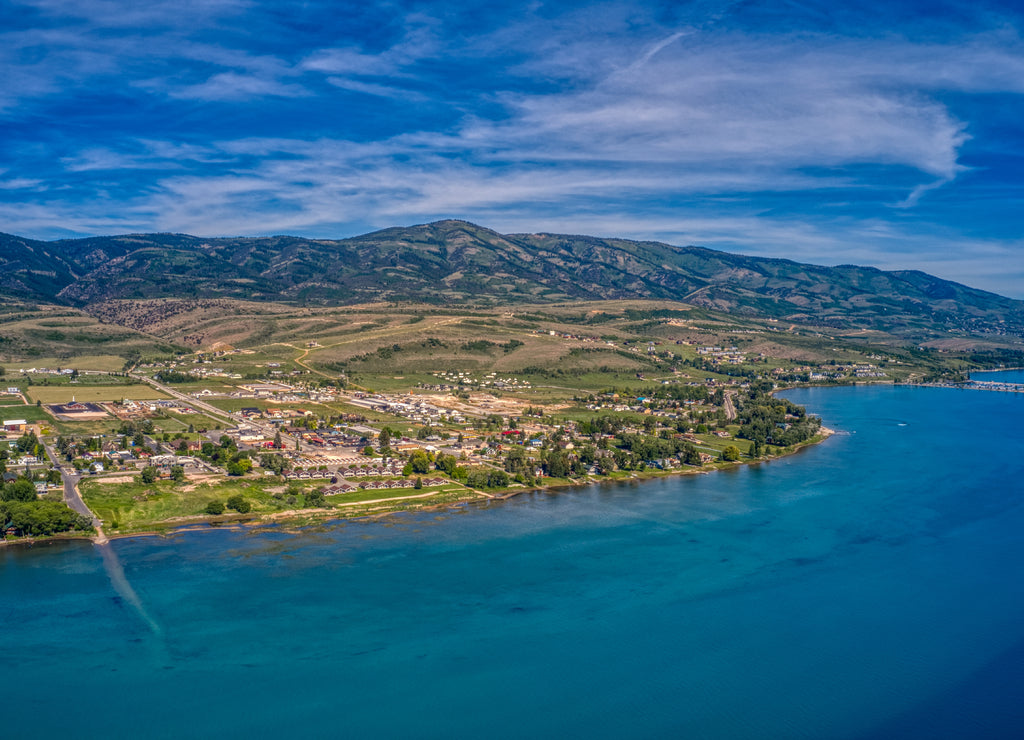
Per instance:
x=15, y=425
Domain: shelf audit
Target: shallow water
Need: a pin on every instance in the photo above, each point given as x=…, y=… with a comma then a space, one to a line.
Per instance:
x=867, y=587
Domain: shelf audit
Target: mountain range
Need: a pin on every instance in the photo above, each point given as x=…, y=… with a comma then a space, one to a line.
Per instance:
x=456, y=262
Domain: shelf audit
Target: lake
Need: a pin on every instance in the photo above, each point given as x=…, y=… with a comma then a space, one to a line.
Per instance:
x=868, y=587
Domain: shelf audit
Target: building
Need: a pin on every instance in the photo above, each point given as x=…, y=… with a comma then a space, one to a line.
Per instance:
x=15, y=425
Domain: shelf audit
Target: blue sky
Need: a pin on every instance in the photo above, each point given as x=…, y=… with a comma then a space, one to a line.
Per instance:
x=887, y=134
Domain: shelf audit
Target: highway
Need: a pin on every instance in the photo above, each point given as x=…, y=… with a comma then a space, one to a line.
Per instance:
x=225, y=416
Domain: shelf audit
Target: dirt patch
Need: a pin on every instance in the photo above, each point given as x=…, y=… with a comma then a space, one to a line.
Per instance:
x=198, y=480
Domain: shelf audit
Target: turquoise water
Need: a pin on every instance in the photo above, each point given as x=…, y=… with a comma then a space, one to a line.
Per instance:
x=869, y=587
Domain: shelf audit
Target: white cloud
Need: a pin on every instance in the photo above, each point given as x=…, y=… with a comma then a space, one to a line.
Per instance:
x=601, y=119
x=228, y=86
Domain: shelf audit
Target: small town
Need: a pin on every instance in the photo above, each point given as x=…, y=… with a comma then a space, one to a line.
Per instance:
x=186, y=442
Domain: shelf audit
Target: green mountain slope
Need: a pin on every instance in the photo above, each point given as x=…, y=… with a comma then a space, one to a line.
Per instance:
x=31, y=269
x=459, y=262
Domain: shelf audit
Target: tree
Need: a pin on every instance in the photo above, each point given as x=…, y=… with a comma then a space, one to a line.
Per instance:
x=239, y=504
x=149, y=474
x=446, y=463
x=315, y=498
x=239, y=467
x=275, y=463
x=418, y=484
x=177, y=473
x=368, y=451
x=41, y=517
x=731, y=453
x=215, y=508
x=419, y=462
x=556, y=464
x=19, y=490
x=278, y=444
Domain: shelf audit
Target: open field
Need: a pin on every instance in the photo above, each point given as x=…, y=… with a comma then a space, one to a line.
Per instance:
x=373, y=343
x=93, y=394
x=136, y=506
x=31, y=413
x=103, y=363
x=51, y=336
x=132, y=506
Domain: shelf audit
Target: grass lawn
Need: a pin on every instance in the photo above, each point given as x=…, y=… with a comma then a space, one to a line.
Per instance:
x=92, y=393
x=105, y=363
x=386, y=493
x=136, y=505
x=29, y=413
x=180, y=422
x=86, y=428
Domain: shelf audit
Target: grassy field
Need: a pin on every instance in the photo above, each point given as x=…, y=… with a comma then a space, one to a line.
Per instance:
x=103, y=363
x=29, y=413
x=180, y=422
x=135, y=506
x=92, y=393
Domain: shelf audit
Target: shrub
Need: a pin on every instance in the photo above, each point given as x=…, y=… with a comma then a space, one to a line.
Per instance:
x=239, y=504
x=215, y=508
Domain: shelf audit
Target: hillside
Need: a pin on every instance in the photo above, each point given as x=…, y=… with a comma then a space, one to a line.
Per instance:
x=455, y=262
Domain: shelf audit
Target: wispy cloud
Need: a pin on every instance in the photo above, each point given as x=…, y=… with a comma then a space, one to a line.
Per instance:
x=711, y=123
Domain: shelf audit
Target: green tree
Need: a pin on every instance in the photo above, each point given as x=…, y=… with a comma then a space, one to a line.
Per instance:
x=446, y=463
x=731, y=453
x=275, y=463
x=239, y=467
x=315, y=498
x=149, y=474
x=239, y=504
x=215, y=508
x=177, y=473
x=19, y=490
x=419, y=462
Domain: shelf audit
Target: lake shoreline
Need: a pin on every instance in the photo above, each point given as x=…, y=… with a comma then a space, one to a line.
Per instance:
x=300, y=519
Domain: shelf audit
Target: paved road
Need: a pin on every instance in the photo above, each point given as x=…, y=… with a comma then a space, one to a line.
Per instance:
x=72, y=496
x=730, y=410
x=211, y=410
x=218, y=413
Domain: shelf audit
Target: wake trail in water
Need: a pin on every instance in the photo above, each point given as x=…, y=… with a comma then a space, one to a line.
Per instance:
x=112, y=564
